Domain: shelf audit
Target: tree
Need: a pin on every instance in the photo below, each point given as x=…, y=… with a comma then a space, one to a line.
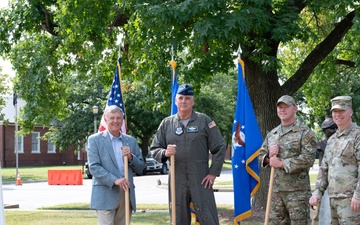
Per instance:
x=74, y=129
x=336, y=75
x=4, y=90
x=217, y=99
x=49, y=42
x=143, y=119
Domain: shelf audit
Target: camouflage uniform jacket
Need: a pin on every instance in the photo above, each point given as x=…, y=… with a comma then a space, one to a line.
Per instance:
x=340, y=168
x=297, y=148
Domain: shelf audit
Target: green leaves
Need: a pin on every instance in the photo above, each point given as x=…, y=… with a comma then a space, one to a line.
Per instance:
x=64, y=53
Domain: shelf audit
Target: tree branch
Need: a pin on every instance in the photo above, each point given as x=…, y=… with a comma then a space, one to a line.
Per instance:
x=322, y=50
x=299, y=4
x=120, y=20
x=47, y=24
x=345, y=62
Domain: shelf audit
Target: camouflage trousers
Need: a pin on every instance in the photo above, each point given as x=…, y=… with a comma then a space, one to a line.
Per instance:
x=290, y=207
x=341, y=213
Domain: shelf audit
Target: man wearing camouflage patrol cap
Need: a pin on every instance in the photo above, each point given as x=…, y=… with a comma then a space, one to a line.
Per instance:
x=339, y=170
x=290, y=149
x=189, y=136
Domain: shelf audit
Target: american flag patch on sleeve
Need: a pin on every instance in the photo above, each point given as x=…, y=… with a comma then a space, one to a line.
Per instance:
x=212, y=124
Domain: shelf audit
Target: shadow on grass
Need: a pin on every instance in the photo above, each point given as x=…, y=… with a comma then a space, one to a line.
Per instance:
x=17, y=217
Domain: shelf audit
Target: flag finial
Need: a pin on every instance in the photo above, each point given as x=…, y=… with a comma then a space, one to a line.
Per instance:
x=239, y=51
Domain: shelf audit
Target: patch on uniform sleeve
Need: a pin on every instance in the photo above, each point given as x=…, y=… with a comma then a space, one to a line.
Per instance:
x=212, y=124
x=308, y=137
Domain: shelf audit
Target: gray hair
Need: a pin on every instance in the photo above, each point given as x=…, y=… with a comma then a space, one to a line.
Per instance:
x=113, y=109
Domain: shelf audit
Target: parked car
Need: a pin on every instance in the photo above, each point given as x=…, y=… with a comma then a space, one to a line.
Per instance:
x=154, y=166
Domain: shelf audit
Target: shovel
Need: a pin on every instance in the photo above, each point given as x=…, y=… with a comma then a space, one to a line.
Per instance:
x=314, y=213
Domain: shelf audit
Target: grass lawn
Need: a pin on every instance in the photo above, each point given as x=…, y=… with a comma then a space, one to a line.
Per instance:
x=79, y=213
x=85, y=217
x=39, y=173
x=35, y=173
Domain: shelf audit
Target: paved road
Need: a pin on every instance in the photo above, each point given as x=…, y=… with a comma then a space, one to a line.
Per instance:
x=31, y=196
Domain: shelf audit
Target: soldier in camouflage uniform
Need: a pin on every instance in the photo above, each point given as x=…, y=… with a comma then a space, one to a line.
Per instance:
x=289, y=148
x=339, y=170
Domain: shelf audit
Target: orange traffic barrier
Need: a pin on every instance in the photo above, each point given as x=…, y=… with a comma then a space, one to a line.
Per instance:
x=18, y=180
x=65, y=177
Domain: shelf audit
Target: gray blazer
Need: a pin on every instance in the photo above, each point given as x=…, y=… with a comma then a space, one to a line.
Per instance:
x=104, y=169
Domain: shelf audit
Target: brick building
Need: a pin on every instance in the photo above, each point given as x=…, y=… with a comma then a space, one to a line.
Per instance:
x=32, y=151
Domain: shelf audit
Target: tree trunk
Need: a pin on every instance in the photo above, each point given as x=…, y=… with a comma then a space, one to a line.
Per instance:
x=264, y=90
x=260, y=199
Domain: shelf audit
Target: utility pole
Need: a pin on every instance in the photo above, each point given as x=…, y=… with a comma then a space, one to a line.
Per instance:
x=16, y=135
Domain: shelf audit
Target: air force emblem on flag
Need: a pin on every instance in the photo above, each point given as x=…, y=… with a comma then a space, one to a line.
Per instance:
x=238, y=136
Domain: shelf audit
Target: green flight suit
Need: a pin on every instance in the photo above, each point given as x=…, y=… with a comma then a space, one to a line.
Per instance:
x=193, y=144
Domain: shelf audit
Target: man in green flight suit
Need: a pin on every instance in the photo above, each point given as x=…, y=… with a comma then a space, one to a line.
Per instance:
x=189, y=136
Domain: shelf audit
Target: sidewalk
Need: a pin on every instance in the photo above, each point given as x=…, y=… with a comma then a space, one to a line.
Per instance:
x=314, y=169
x=30, y=196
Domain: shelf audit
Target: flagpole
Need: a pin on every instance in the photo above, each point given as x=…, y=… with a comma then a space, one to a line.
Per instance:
x=127, y=200
x=174, y=87
x=119, y=53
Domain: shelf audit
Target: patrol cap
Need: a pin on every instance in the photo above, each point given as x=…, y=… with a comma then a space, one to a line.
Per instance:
x=185, y=89
x=341, y=102
x=287, y=99
x=328, y=122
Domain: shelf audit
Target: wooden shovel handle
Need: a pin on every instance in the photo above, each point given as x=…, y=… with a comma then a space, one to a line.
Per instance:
x=127, y=196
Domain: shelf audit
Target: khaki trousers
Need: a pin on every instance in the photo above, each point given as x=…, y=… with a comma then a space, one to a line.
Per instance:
x=115, y=216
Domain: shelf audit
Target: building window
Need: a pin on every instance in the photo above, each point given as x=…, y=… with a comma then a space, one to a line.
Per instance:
x=20, y=144
x=51, y=147
x=35, y=142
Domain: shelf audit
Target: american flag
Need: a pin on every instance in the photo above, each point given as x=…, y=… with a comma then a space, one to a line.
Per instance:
x=115, y=98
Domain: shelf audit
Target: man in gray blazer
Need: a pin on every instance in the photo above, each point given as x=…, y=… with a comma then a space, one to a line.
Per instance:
x=106, y=151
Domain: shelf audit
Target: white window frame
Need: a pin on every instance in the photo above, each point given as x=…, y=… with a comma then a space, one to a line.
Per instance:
x=20, y=140
x=51, y=147
x=37, y=150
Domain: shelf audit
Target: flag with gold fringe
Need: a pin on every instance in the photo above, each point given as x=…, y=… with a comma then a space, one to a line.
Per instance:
x=174, y=86
x=115, y=98
x=246, y=180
